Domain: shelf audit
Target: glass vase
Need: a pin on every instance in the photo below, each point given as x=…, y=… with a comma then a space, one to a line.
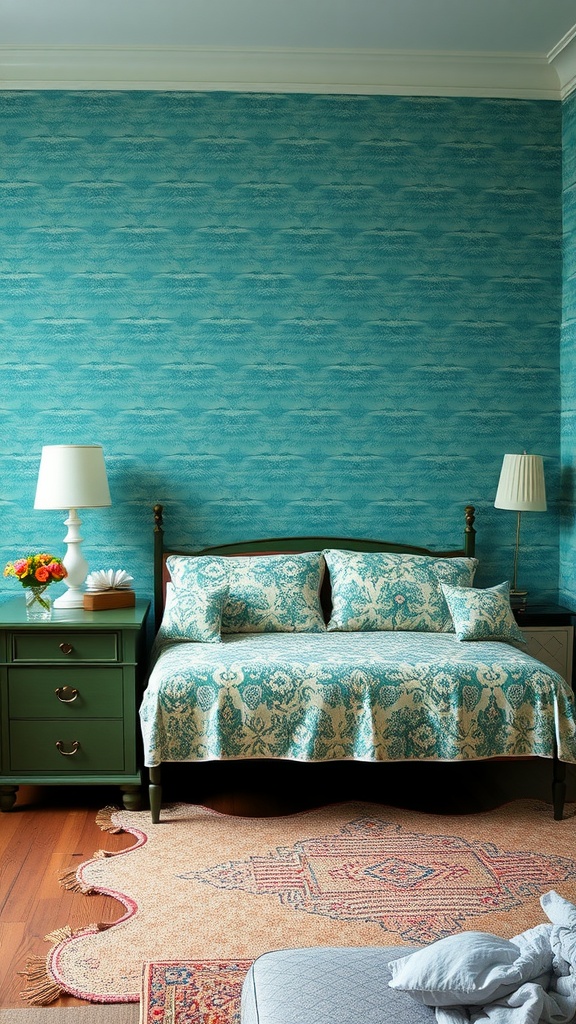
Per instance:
x=38, y=604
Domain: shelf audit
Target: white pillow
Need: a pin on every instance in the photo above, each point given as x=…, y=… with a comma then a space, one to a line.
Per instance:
x=466, y=969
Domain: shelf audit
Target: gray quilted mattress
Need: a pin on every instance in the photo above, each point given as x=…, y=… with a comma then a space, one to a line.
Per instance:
x=328, y=985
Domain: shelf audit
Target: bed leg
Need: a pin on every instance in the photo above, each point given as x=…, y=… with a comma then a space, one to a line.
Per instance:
x=155, y=793
x=558, y=787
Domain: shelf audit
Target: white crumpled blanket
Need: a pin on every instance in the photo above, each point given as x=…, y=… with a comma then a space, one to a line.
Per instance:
x=550, y=997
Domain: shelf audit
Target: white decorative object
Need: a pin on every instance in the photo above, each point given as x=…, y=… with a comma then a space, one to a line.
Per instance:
x=108, y=579
x=72, y=476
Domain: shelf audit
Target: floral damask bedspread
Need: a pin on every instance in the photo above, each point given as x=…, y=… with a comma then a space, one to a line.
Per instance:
x=389, y=696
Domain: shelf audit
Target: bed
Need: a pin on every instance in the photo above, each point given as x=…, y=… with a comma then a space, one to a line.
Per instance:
x=321, y=649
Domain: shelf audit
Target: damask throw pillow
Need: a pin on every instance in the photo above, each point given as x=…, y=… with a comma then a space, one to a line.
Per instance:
x=195, y=599
x=274, y=593
x=389, y=591
x=483, y=614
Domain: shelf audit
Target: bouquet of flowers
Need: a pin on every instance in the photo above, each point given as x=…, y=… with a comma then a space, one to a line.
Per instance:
x=37, y=571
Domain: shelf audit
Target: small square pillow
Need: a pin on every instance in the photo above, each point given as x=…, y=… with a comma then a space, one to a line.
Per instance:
x=469, y=969
x=274, y=593
x=384, y=590
x=195, y=599
x=483, y=614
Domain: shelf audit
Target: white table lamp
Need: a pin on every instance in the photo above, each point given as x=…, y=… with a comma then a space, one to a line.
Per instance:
x=521, y=488
x=72, y=476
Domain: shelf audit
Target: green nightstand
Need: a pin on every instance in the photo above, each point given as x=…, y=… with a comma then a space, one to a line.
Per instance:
x=69, y=693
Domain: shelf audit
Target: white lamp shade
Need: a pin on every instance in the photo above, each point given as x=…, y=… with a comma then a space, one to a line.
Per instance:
x=72, y=476
x=521, y=486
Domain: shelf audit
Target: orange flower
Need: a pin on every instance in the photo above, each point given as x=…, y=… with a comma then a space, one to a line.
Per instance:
x=42, y=574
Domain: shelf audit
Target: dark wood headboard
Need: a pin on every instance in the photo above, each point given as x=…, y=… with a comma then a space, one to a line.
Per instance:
x=282, y=544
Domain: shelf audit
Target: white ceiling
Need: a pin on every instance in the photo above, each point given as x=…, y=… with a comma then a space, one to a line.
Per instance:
x=375, y=45
x=519, y=26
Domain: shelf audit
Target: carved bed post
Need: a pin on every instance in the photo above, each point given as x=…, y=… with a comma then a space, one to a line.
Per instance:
x=158, y=564
x=469, y=531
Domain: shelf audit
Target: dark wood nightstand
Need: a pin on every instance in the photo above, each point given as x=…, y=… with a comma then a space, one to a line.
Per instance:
x=549, y=632
x=69, y=693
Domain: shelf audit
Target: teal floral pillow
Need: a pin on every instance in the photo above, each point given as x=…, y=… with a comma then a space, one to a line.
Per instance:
x=274, y=594
x=195, y=599
x=483, y=614
x=386, y=591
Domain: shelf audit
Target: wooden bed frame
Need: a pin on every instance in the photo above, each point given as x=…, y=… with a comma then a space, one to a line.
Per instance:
x=299, y=544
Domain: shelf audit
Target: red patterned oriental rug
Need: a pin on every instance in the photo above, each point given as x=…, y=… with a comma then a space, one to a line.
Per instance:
x=193, y=992
x=203, y=887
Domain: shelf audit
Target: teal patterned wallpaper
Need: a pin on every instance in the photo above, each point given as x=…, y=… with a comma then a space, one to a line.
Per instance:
x=567, y=504
x=281, y=314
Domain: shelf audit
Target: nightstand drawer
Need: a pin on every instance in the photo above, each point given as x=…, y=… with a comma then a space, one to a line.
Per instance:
x=96, y=746
x=66, y=692
x=64, y=646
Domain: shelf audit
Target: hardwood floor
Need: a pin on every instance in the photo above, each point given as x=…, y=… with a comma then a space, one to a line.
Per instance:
x=51, y=830
x=42, y=837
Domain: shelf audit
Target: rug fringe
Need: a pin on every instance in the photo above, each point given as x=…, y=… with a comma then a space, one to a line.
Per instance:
x=104, y=820
x=69, y=880
x=102, y=854
x=41, y=989
x=59, y=934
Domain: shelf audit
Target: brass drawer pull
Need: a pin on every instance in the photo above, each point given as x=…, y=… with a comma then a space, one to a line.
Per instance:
x=66, y=648
x=68, y=753
x=66, y=694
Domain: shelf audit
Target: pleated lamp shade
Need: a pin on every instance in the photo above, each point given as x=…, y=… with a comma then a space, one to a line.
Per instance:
x=521, y=486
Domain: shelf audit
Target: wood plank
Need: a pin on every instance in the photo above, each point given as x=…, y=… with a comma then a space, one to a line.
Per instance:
x=39, y=841
x=11, y=944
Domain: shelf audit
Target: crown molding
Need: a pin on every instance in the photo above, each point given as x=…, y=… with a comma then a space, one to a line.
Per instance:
x=522, y=76
x=563, y=59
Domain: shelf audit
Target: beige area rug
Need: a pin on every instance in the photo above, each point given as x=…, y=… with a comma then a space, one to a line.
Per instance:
x=202, y=886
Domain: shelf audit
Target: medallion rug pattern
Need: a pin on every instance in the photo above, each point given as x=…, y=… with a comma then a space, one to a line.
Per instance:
x=420, y=886
x=204, y=886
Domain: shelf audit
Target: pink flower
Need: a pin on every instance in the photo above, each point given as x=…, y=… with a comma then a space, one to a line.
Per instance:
x=21, y=566
x=57, y=570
